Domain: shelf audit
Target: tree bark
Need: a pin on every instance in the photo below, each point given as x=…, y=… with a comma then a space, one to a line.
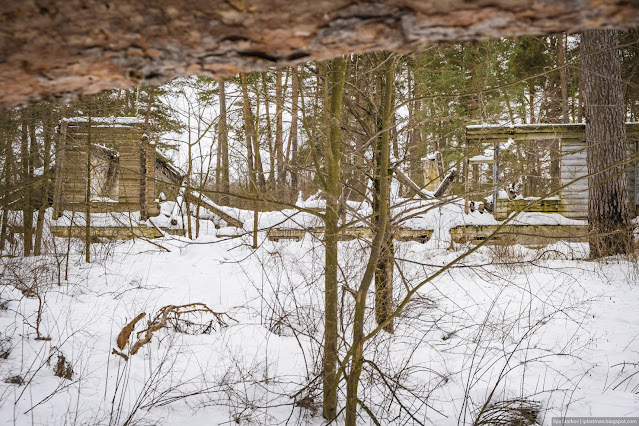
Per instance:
x=531, y=102
x=269, y=132
x=279, y=144
x=357, y=343
x=27, y=211
x=563, y=80
x=252, y=143
x=223, y=144
x=416, y=146
x=608, y=208
x=87, y=219
x=246, y=107
x=333, y=171
x=46, y=160
x=295, y=89
x=386, y=262
x=7, y=175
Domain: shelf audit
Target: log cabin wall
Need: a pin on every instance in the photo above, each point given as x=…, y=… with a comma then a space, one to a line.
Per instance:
x=134, y=188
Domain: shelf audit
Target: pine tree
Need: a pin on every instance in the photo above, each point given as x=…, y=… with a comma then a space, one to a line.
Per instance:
x=608, y=209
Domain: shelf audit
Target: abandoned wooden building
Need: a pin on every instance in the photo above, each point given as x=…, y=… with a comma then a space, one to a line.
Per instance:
x=568, y=193
x=113, y=163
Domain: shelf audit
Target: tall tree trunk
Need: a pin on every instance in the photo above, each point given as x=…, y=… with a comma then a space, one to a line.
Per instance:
x=608, y=209
x=46, y=158
x=416, y=146
x=295, y=88
x=189, y=183
x=252, y=156
x=87, y=235
x=563, y=80
x=252, y=143
x=218, y=159
x=27, y=212
x=246, y=107
x=257, y=153
x=269, y=133
x=224, y=144
x=8, y=184
x=531, y=101
x=385, y=263
x=357, y=348
x=580, y=106
x=279, y=129
x=333, y=171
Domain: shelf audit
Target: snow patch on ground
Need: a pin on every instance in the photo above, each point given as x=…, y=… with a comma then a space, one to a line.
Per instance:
x=511, y=321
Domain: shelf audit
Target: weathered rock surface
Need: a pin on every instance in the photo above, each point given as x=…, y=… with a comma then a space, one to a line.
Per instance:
x=53, y=49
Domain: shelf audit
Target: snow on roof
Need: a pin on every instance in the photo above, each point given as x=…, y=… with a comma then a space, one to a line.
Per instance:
x=482, y=159
x=431, y=157
x=108, y=149
x=529, y=126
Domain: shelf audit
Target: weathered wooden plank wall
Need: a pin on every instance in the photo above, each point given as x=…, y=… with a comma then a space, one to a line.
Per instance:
x=127, y=140
x=574, y=179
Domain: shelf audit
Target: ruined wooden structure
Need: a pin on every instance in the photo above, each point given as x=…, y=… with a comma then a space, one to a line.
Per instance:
x=528, y=235
x=122, y=172
x=571, y=197
x=168, y=178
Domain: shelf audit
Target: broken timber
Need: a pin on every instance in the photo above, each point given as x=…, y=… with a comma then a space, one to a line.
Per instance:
x=528, y=235
x=198, y=199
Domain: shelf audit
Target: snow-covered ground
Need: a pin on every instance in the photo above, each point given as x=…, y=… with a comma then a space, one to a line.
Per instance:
x=545, y=325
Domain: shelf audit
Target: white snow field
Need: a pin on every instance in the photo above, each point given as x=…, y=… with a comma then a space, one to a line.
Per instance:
x=503, y=323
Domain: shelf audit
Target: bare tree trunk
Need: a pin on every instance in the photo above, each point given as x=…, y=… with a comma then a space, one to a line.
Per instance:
x=87, y=234
x=357, y=348
x=531, y=102
x=8, y=164
x=580, y=107
x=189, y=183
x=333, y=169
x=247, y=132
x=608, y=209
x=252, y=144
x=415, y=150
x=269, y=133
x=27, y=213
x=60, y=151
x=224, y=143
x=385, y=263
x=218, y=158
x=563, y=81
x=295, y=90
x=279, y=129
x=44, y=202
